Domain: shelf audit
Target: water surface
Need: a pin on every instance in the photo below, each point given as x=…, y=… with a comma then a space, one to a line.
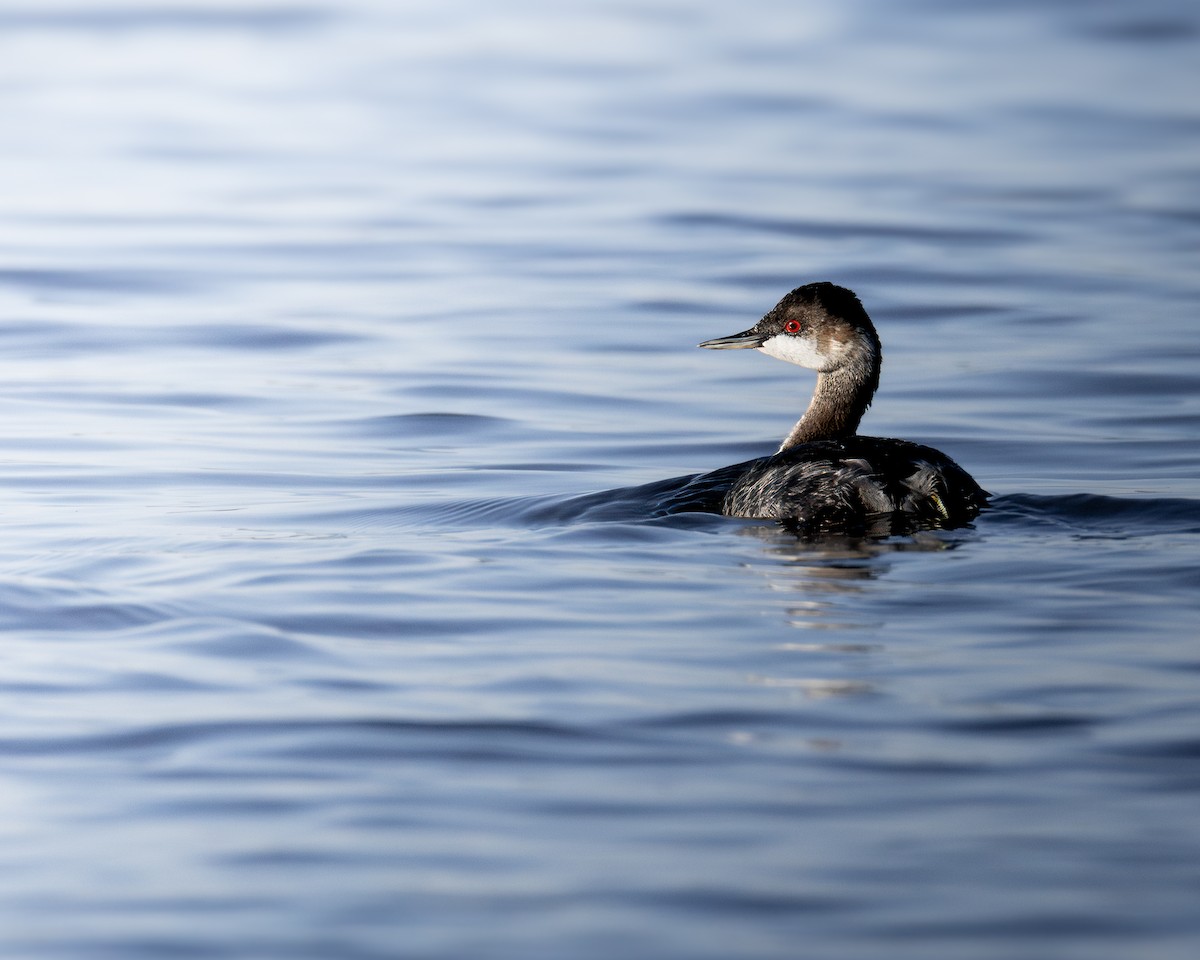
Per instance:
x=317, y=318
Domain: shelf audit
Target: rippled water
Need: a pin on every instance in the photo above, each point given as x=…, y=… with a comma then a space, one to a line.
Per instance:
x=317, y=319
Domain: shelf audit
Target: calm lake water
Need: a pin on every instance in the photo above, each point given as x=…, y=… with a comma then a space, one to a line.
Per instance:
x=316, y=317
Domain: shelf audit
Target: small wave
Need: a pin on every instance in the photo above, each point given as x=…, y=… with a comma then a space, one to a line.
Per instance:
x=1099, y=515
x=131, y=20
x=680, y=499
x=647, y=501
x=800, y=227
x=692, y=500
x=478, y=738
x=423, y=426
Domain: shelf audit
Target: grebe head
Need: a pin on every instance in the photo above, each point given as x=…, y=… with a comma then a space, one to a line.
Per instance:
x=820, y=326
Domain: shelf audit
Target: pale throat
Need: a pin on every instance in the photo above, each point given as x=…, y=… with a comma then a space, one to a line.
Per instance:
x=802, y=351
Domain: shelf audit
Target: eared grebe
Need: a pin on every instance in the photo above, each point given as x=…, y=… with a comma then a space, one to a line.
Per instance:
x=825, y=477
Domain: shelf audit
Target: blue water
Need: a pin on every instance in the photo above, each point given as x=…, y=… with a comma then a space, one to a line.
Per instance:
x=317, y=319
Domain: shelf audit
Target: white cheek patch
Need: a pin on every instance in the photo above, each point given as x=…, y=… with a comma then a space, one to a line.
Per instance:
x=801, y=351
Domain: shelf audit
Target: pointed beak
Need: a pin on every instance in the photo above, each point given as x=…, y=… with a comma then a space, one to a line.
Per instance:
x=739, y=341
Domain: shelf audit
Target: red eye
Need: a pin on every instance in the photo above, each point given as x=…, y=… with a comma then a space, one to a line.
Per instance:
x=792, y=326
